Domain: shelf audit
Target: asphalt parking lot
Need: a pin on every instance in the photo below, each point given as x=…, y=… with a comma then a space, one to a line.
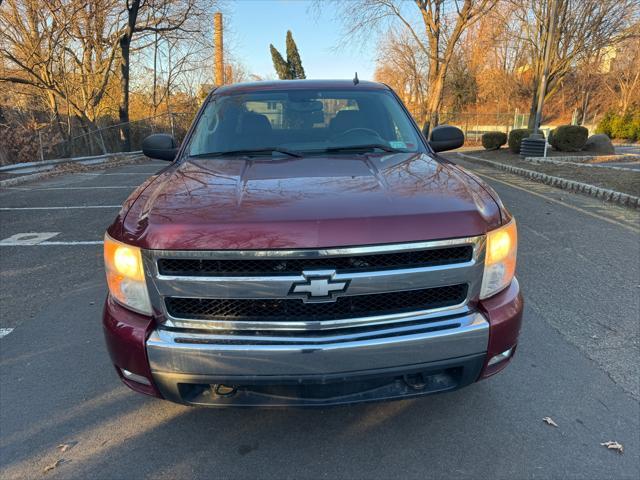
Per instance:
x=579, y=265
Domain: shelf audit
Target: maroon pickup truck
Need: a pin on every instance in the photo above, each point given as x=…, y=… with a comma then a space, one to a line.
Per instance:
x=308, y=247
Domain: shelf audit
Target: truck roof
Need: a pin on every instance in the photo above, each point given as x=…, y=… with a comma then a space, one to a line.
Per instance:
x=298, y=84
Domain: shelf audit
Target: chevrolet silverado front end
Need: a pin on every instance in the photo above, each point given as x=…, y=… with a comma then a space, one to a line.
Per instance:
x=308, y=247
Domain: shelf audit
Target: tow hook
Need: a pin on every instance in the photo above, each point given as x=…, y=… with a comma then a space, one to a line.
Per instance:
x=224, y=390
x=415, y=381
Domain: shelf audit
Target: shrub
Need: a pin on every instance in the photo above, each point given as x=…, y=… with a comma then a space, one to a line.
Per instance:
x=569, y=138
x=622, y=127
x=635, y=123
x=604, y=126
x=515, y=138
x=493, y=140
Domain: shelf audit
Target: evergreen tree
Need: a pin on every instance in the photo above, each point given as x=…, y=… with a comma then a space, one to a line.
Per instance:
x=291, y=68
x=293, y=57
x=280, y=64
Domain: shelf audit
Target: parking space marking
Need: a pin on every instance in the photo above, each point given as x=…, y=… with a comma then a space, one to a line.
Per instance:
x=69, y=207
x=5, y=331
x=553, y=200
x=70, y=188
x=116, y=173
x=50, y=244
x=79, y=242
x=27, y=238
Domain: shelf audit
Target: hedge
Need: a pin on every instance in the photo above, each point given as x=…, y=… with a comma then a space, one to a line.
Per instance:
x=515, y=138
x=569, y=138
x=493, y=140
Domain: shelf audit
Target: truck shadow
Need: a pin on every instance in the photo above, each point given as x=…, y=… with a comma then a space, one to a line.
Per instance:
x=121, y=434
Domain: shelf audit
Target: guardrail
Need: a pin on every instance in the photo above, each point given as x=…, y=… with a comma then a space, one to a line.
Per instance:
x=27, y=171
x=47, y=165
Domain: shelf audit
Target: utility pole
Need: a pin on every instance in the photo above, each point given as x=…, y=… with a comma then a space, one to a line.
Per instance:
x=536, y=145
x=218, y=71
x=551, y=27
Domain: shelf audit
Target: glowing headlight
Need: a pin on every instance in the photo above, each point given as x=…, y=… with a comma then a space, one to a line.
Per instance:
x=500, y=259
x=125, y=275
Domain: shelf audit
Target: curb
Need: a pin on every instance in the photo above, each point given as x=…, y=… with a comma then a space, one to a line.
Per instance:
x=109, y=162
x=605, y=194
x=593, y=159
x=579, y=164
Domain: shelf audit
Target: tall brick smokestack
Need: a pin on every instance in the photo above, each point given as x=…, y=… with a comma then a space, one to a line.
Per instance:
x=218, y=49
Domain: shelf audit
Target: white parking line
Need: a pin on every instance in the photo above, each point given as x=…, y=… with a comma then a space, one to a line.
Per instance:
x=5, y=331
x=49, y=244
x=557, y=202
x=115, y=173
x=129, y=187
x=59, y=208
x=28, y=238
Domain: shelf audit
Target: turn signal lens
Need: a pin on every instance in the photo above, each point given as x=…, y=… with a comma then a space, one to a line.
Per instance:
x=500, y=259
x=125, y=275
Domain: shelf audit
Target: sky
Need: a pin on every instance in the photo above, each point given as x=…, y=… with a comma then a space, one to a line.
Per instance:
x=254, y=24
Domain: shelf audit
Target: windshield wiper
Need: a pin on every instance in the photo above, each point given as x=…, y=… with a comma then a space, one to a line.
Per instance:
x=373, y=146
x=256, y=151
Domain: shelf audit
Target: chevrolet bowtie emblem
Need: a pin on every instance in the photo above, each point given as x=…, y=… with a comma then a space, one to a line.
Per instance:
x=318, y=287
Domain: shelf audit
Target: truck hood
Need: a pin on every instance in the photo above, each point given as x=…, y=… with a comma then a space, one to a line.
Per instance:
x=315, y=201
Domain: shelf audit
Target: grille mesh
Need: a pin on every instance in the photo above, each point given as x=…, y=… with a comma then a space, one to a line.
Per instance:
x=296, y=310
x=382, y=261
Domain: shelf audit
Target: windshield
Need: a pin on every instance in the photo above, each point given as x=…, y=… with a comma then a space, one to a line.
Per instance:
x=303, y=121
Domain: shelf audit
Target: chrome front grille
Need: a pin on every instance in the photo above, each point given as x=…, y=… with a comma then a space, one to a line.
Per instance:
x=295, y=310
x=292, y=266
x=259, y=291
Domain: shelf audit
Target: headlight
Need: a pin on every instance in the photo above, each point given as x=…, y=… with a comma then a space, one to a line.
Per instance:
x=125, y=275
x=500, y=259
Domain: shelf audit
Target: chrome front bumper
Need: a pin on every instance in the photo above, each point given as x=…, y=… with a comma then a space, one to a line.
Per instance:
x=180, y=359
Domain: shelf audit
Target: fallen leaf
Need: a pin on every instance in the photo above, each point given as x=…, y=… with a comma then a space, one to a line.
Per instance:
x=549, y=421
x=63, y=447
x=54, y=465
x=611, y=445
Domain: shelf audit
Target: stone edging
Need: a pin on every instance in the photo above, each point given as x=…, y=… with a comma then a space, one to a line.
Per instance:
x=578, y=164
x=605, y=194
x=589, y=159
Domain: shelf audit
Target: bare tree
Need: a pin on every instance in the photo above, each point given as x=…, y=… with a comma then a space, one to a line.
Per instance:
x=403, y=66
x=61, y=54
x=76, y=55
x=582, y=29
x=143, y=17
x=623, y=81
x=435, y=25
x=64, y=50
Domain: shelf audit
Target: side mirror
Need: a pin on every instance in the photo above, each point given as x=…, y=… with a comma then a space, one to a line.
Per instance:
x=446, y=137
x=160, y=146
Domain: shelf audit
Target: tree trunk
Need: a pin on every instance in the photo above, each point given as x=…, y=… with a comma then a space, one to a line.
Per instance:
x=155, y=74
x=125, y=54
x=532, y=109
x=434, y=100
x=123, y=109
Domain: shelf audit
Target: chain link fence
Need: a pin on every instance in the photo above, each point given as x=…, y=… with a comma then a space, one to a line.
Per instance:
x=108, y=139
x=475, y=124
